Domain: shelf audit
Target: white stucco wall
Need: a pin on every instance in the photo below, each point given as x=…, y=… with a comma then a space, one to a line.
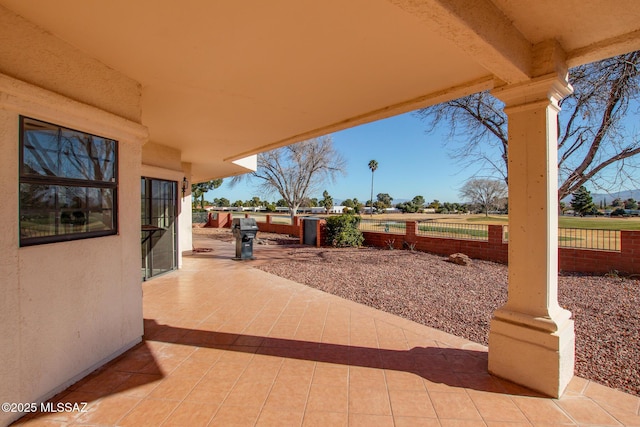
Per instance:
x=185, y=219
x=65, y=308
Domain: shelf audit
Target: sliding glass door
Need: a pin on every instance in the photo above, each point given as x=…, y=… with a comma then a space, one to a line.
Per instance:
x=158, y=236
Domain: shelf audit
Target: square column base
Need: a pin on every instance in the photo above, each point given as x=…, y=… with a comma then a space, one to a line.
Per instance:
x=532, y=356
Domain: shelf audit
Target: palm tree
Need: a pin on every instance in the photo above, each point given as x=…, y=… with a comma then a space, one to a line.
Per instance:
x=373, y=165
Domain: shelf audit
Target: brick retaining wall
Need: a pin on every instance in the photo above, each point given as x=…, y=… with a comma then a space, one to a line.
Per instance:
x=492, y=250
x=292, y=230
x=224, y=219
x=626, y=261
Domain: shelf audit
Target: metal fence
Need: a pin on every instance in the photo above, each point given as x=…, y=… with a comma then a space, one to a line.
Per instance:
x=454, y=230
x=281, y=219
x=258, y=218
x=582, y=238
x=199, y=217
x=261, y=217
x=383, y=226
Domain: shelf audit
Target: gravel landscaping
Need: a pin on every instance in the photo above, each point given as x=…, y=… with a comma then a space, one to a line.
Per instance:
x=460, y=299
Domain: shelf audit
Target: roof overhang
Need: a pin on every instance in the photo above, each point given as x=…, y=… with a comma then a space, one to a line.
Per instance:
x=222, y=81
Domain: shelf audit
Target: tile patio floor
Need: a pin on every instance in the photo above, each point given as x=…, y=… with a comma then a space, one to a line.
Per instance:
x=230, y=345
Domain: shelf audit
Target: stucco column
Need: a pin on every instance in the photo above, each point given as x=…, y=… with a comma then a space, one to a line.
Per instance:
x=531, y=340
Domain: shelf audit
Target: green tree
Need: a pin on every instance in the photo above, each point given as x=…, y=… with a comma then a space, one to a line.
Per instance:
x=379, y=206
x=353, y=205
x=582, y=203
x=562, y=207
x=413, y=206
x=327, y=201
x=222, y=202
x=373, y=165
x=254, y=202
x=357, y=206
x=384, y=200
x=630, y=203
x=198, y=190
x=238, y=204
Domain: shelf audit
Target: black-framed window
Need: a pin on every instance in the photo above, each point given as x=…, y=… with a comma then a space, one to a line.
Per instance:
x=68, y=184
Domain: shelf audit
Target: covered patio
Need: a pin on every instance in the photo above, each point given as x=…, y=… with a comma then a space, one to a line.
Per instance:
x=186, y=92
x=229, y=345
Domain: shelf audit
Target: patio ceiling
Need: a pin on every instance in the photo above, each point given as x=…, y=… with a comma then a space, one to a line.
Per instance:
x=223, y=80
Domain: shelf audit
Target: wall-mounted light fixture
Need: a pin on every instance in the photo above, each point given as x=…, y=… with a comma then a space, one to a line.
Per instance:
x=184, y=185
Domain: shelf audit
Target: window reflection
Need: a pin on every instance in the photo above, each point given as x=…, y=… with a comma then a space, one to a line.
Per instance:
x=67, y=184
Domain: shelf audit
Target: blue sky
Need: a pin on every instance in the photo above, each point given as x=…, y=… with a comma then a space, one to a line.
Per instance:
x=410, y=163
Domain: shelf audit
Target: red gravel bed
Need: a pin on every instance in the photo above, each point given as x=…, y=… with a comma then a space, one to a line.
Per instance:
x=459, y=300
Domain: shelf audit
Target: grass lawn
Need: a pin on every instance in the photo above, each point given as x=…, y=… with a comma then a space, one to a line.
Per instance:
x=595, y=223
x=600, y=223
x=470, y=232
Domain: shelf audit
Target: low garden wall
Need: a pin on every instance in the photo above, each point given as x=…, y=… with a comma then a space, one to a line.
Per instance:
x=269, y=226
x=626, y=260
x=224, y=219
x=492, y=245
x=495, y=248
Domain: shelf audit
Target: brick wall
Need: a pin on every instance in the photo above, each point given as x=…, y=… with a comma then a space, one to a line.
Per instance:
x=224, y=220
x=219, y=220
x=627, y=260
x=593, y=261
x=270, y=227
x=494, y=249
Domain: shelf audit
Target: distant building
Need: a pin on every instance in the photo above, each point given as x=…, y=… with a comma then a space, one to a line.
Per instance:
x=392, y=210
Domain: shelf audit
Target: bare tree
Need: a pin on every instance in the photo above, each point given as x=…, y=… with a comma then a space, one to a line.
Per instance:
x=486, y=193
x=297, y=170
x=592, y=127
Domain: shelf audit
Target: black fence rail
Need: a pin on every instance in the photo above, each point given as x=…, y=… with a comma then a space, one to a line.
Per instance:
x=199, y=217
x=383, y=226
x=279, y=219
x=261, y=217
x=582, y=238
x=258, y=217
x=454, y=230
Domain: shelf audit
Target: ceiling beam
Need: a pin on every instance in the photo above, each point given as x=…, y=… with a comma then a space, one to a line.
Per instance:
x=480, y=30
x=618, y=45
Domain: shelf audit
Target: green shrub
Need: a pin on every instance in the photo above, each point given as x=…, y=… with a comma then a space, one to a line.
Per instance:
x=619, y=212
x=343, y=231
